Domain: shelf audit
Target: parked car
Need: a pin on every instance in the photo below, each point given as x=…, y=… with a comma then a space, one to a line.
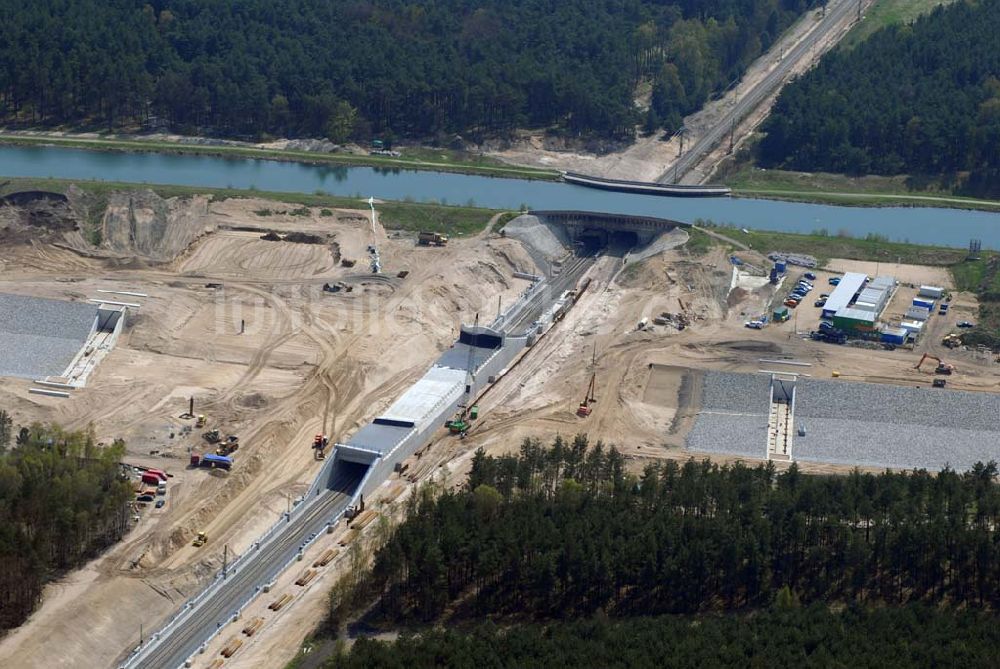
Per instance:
x=824, y=295
x=826, y=326
x=810, y=276
x=160, y=503
x=834, y=280
x=965, y=324
x=820, y=302
x=145, y=498
x=754, y=325
x=791, y=302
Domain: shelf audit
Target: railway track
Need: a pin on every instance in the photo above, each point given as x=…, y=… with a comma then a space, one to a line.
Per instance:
x=194, y=626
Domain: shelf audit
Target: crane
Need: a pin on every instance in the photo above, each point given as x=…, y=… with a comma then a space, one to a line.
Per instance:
x=376, y=262
x=942, y=367
x=584, y=409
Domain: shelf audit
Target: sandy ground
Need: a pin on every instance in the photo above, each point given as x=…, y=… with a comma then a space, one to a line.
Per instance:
x=307, y=362
x=916, y=275
x=311, y=361
x=651, y=157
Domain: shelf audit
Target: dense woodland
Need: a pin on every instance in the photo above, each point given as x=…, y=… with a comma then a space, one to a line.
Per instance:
x=919, y=99
x=564, y=533
x=780, y=637
x=62, y=499
x=346, y=68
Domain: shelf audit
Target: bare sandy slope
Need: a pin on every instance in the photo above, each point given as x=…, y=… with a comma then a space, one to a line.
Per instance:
x=308, y=361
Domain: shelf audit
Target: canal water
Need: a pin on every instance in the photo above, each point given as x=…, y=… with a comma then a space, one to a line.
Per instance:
x=925, y=225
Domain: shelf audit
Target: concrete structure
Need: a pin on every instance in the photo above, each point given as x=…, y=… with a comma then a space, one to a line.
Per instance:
x=842, y=296
x=583, y=224
x=42, y=337
x=645, y=187
x=781, y=418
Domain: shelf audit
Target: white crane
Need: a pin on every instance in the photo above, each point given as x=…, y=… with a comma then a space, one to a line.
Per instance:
x=376, y=263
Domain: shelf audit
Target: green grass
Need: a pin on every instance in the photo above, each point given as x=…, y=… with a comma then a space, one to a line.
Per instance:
x=443, y=160
x=699, y=243
x=844, y=190
x=978, y=275
x=888, y=12
x=411, y=216
x=826, y=246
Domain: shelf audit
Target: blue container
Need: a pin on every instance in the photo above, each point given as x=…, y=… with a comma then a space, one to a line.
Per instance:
x=781, y=266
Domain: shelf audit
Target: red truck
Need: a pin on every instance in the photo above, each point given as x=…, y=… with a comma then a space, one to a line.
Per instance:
x=151, y=479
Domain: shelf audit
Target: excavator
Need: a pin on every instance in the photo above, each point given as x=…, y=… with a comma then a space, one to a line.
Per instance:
x=942, y=367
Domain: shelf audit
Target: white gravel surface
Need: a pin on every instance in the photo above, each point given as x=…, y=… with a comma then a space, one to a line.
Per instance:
x=866, y=424
x=40, y=337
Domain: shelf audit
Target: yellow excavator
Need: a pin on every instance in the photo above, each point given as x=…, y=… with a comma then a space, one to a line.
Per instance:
x=200, y=540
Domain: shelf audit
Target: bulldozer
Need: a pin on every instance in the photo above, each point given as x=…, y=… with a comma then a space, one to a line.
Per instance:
x=942, y=367
x=229, y=446
x=952, y=340
x=201, y=421
x=212, y=436
x=200, y=540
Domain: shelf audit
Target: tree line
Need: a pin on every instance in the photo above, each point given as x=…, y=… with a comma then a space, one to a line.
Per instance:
x=360, y=68
x=63, y=499
x=781, y=636
x=920, y=99
x=562, y=532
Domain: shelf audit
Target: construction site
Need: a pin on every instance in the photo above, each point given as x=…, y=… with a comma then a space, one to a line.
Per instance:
x=283, y=381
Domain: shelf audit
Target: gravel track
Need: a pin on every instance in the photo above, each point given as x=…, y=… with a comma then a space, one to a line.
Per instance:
x=40, y=337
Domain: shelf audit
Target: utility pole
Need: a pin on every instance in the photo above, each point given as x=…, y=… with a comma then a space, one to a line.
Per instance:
x=732, y=131
x=140, y=634
x=859, y=11
x=225, y=560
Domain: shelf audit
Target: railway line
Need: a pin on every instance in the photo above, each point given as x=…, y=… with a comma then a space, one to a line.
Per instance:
x=193, y=626
x=835, y=14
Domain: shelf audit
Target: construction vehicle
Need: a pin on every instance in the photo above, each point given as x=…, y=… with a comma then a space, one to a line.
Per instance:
x=459, y=424
x=230, y=445
x=952, y=340
x=432, y=239
x=201, y=421
x=212, y=436
x=200, y=540
x=584, y=409
x=320, y=442
x=942, y=367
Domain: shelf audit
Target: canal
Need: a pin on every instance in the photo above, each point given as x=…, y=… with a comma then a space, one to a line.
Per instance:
x=925, y=225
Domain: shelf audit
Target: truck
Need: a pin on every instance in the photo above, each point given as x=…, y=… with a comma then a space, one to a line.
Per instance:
x=212, y=461
x=151, y=479
x=432, y=239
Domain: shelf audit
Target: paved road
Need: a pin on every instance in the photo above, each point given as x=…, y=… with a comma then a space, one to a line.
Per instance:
x=183, y=639
x=836, y=11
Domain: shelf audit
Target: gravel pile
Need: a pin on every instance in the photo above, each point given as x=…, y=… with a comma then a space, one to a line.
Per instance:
x=41, y=337
x=874, y=444
x=736, y=393
x=730, y=434
x=895, y=426
x=901, y=405
x=865, y=424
